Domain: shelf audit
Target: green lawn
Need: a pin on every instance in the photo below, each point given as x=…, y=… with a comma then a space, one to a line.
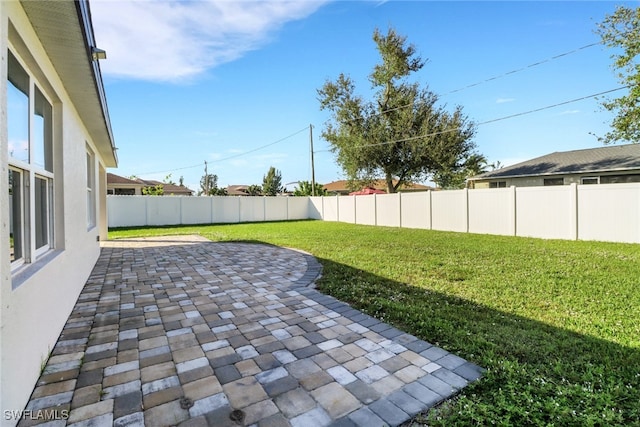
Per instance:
x=555, y=323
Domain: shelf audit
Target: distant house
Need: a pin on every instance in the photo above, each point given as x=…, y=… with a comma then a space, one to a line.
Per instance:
x=169, y=189
x=121, y=186
x=604, y=165
x=238, y=190
x=341, y=187
x=56, y=143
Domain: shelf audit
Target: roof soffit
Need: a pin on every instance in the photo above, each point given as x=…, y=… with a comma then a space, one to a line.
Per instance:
x=61, y=31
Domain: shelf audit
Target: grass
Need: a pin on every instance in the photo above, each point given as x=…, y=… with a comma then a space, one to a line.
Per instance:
x=555, y=323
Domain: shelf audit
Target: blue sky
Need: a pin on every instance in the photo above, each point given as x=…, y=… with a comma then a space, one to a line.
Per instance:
x=195, y=81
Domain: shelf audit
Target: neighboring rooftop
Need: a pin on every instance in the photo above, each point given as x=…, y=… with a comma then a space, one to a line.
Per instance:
x=611, y=158
x=114, y=180
x=342, y=186
x=117, y=179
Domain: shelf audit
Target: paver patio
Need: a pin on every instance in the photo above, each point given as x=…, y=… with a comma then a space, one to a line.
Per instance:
x=183, y=331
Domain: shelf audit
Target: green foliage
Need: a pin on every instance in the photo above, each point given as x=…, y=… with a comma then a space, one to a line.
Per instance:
x=474, y=165
x=218, y=192
x=620, y=31
x=272, y=182
x=402, y=134
x=154, y=190
x=167, y=180
x=209, y=186
x=254, y=190
x=304, y=188
x=555, y=323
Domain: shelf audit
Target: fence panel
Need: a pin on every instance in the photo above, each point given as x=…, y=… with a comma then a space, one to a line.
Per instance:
x=276, y=208
x=449, y=210
x=226, y=210
x=126, y=211
x=416, y=210
x=492, y=211
x=347, y=209
x=609, y=212
x=298, y=208
x=251, y=209
x=546, y=212
x=316, y=208
x=388, y=209
x=163, y=210
x=365, y=209
x=196, y=210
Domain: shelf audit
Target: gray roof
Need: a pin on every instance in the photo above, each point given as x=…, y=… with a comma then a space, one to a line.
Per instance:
x=612, y=158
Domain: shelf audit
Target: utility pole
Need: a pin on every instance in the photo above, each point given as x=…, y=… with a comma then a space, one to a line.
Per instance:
x=313, y=171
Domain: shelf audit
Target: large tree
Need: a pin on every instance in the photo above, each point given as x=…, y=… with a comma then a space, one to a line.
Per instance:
x=304, y=188
x=401, y=135
x=272, y=182
x=209, y=186
x=621, y=32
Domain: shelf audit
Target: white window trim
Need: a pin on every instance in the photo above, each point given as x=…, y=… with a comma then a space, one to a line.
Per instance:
x=29, y=170
x=597, y=178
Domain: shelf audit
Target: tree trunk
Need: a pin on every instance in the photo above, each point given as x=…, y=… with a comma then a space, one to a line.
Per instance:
x=389, y=180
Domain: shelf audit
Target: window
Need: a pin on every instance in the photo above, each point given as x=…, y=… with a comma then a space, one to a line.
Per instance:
x=588, y=180
x=498, y=184
x=91, y=194
x=16, y=235
x=619, y=179
x=554, y=181
x=30, y=146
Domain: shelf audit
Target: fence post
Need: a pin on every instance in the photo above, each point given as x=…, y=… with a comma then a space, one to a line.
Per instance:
x=466, y=199
x=574, y=207
x=211, y=210
x=146, y=210
x=181, y=219
x=375, y=209
x=400, y=210
x=430, y=210
x=514, y=211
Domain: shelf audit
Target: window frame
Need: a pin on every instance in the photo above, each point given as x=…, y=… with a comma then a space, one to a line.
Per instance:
x=37, y=215
x=550, y=182
x=589, y=178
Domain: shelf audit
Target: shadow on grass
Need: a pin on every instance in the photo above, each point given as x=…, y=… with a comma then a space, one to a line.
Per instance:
x=537, y=374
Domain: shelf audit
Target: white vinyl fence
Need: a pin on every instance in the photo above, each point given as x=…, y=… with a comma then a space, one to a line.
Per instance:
x=607, y=212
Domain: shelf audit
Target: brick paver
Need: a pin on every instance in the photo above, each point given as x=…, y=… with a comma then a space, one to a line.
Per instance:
x=183, y=331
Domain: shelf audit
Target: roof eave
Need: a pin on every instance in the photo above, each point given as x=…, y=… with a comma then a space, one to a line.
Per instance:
x=73, y=62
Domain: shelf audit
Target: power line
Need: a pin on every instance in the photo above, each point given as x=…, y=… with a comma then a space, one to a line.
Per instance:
x=553, y=106
x=492, y=120
x=261, y=147
x=499, y=76
x=170, y=170
x=535, y=64
x=230, y=157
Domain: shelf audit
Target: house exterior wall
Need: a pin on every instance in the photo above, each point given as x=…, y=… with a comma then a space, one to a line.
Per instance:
x=114, y=188
x=536, y=181
x=36, y=299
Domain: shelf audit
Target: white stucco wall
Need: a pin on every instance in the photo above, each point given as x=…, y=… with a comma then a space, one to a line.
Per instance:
x=36, y=301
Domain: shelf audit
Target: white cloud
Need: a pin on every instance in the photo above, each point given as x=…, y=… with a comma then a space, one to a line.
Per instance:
x=504, y=100
x=570, y=112
x=173, y=40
